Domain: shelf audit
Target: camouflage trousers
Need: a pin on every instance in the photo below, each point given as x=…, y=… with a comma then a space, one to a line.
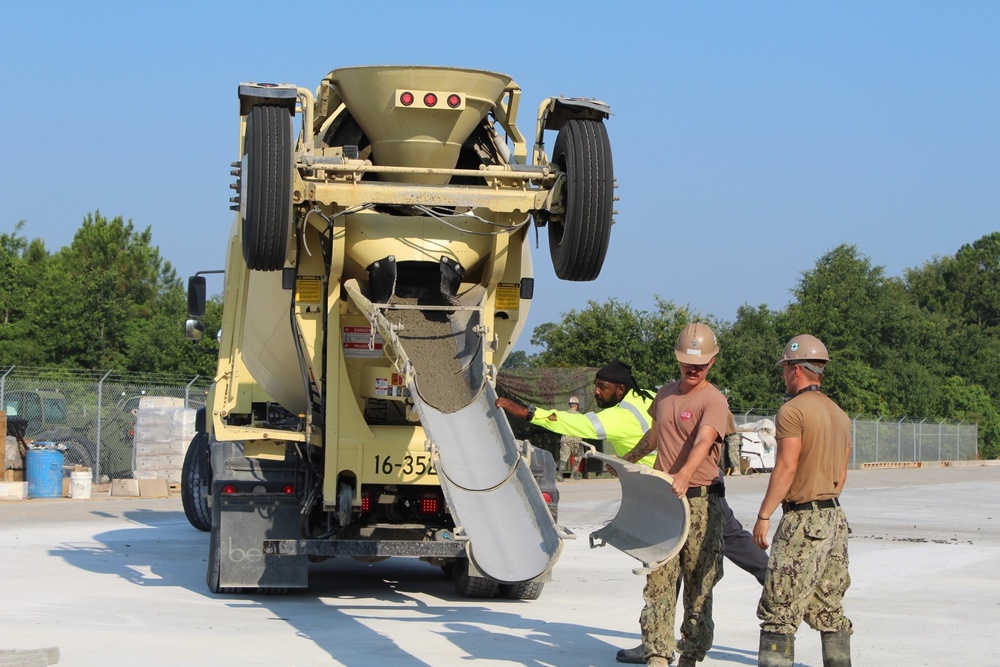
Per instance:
x=807, y=573
x=568, y=447
x=699, y=564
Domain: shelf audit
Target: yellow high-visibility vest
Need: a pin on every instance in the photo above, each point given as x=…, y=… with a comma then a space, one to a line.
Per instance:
x=622, y=425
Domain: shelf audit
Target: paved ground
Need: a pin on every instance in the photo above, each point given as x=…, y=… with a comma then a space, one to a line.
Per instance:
x=121, y=582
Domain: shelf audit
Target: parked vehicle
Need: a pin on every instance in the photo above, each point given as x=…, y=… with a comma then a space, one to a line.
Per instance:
x=102, y=444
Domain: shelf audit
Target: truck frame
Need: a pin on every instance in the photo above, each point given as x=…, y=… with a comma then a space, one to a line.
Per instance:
x=377, y=274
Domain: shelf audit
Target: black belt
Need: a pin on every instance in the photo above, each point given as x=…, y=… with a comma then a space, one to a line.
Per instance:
x=830, y=503
x=703, y=491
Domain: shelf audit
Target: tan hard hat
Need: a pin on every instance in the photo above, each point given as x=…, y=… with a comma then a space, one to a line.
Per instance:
x=574, y=400
x=696, y=344
x=804, y=348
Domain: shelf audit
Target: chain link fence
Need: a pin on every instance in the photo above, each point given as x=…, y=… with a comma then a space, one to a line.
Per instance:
x=876, y=440
x=93, y=414
x=903, y=439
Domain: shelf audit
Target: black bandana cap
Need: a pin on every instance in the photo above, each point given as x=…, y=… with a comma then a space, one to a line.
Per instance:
x=618, y=373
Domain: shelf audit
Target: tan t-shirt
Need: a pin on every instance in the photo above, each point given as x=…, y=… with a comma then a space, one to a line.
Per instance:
x=826, y=436
x=678, y=417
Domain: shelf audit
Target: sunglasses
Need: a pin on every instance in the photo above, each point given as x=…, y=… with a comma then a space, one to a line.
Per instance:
x=693, y=367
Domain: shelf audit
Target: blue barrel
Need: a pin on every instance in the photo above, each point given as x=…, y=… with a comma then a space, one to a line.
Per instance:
x=43, y=469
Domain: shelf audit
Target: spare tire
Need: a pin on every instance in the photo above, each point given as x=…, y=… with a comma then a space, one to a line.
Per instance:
x=579, y=242
x=266, y=187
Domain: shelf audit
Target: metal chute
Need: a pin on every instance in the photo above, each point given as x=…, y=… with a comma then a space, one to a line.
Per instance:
x=484, y=473
x=652, y=522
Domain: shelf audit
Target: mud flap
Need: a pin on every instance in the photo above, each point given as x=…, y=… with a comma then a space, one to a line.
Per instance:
x=652, y=522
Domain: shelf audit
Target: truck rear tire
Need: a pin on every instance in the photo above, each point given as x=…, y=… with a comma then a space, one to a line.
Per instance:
x=472, y=587
x=526, y=590
x=267, y=187
x=196, y=483
x=579, y=243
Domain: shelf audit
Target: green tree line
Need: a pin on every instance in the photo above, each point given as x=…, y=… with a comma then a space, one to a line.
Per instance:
x=107, y=301
x=926, y=345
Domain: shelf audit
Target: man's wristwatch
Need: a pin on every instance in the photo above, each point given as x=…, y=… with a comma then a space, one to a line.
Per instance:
x=531, y=412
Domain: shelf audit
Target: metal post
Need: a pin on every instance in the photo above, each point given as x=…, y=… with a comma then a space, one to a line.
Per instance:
x=854, y=439
x=876, y=437
x=958, y=440
x=921, y=440
x=187, y=391
x=899, y=439
x=939, y=440
x=100, y=396
x=3, y=383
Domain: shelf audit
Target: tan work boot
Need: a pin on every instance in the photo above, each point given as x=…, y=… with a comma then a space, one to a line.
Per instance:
x=658, y=661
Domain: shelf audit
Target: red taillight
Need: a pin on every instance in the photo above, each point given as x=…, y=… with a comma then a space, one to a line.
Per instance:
x=430, y=99
x=229, y=489
x=406, y=99
x=430, y=503
x=366, y=502
x=454, y=101
x=288, y=490
x=547, y=497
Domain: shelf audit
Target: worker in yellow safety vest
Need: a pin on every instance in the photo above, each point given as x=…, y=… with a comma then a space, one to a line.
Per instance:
x=622, y=421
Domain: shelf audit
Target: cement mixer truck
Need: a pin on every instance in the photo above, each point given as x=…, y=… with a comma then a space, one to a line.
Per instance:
x=378, y=272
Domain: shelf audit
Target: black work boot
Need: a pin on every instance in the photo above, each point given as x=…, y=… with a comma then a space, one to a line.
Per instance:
x=634, y=656
x=836, y=648
x=776, y=650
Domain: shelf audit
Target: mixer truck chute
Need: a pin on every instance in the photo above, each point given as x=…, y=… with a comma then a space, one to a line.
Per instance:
x=378, y=272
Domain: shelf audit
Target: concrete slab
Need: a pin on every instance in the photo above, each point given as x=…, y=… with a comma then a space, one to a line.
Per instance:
x=121, y=581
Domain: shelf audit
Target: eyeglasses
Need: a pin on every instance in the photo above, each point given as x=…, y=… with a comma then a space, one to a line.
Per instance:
x=693, y=367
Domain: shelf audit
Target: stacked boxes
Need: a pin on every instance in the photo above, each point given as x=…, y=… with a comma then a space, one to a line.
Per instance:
x=163, y=430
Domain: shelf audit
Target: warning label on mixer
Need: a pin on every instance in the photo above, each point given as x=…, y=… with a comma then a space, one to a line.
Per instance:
x=508, y=296
x=358, y=342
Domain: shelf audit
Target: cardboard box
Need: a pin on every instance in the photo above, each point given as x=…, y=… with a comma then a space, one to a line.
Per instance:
x=13, y=490
x=128, y=488
x=171, y=462
x=153, y=488
x=13, y=475
x=170, y=476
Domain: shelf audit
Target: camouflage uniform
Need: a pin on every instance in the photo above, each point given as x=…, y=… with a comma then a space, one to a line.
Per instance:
x=569, y=450
x=733, y=443
x=700, y=560
x=807, y=573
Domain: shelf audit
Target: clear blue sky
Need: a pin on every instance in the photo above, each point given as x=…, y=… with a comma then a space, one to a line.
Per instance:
x=749, y=138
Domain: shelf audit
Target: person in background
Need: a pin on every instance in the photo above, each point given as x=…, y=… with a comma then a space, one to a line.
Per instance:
x=569, y=448
x=807, y=574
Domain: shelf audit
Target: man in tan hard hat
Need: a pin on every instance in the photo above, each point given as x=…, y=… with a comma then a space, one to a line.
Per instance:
x=623, y=421
x=807, y=575
x=690, y=418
